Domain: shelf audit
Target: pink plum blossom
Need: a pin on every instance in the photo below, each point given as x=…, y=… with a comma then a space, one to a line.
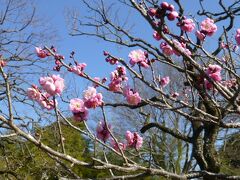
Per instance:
x=134, y=140
x=167, y=49
x=115, y=86
x=41, y=52
x=188, y=25
x=138, y=57
x=182, y=47
x=58, y=57
x=42, y=98
x=97, y=79
x=213, y=69
x=91, y=98
x=102, y=131
x=80, y=112
x=115, y=146
x=132, y=96
x=164, y=81
x=47, y=84
x=77, y=105
x=53, y=85
x=78, y=69
x=232, y=83
x=47, y=104
x=237, y=36
x=208, y=27
x=216, y=77
x=59, y=83
x=117, y=78
x=214, y=72
x=33, y=93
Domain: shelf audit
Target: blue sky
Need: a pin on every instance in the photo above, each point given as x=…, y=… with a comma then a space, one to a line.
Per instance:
x=89, y=49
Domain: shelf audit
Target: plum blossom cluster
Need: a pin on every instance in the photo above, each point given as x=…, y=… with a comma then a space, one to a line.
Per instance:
x=168, y=10
x=91, y=98
x=168, y=50
x=117, y=78
x=164, y=9
x=103, y=131
x=232, y=83
x=110, y=59
x=164, y=81
x=44, y=52
x=133, y=140
x=118, y=146
x=132, y=96
x=187, y=25
x=79, y=107
x=79, y=110
x=52, y=85
x=213, y=72
x=208, y=28
x=78, y=68
x=139, y=57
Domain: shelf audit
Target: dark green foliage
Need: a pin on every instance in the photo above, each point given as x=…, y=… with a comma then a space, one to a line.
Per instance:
x=230, y=155
x=29, y=162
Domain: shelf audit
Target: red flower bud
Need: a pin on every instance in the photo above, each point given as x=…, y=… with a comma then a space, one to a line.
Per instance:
x=170, y=7
x=152, y=12
x=172, y=15
x=164, y=5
